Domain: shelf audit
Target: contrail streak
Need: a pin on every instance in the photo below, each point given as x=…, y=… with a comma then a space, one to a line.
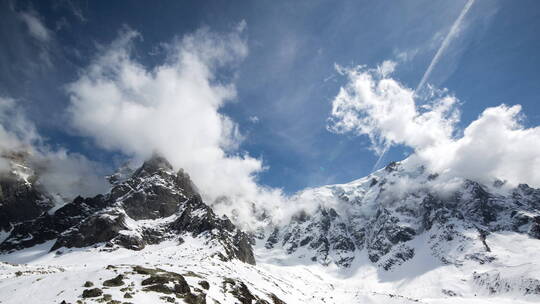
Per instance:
x=377, y=164
x=449, y=37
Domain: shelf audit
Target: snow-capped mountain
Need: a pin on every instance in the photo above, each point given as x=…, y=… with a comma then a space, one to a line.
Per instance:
x=153, y=204
x=399, y=235
x=382, y=216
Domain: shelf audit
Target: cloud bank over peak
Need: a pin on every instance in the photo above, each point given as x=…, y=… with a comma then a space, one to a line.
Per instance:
x=494, y=146
x=172, y=108
x=16, y=132
x=62, y=173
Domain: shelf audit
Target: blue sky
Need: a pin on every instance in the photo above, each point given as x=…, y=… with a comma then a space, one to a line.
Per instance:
x=288, y=79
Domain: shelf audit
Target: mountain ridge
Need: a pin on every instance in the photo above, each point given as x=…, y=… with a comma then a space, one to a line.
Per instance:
x=370, y=230
x=396, y=221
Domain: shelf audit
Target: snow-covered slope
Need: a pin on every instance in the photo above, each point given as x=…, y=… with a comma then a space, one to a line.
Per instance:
x=51, y=278
x=405, y=223
x=399, y=235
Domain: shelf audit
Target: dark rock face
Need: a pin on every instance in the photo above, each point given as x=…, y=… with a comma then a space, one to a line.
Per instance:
x=272, y=239
x=385, y=231
x=47, y=227
x=31, y=233
x=97, y=228
x=242, y=293
x=154, y=191
x=114, y=282
x=88, y=284
x=204, y=284
x=20, y=201
x=324, y=233
x=332, y=238
x=184, y=182
x=92, y=293
x=199, y=219
x=167, y=282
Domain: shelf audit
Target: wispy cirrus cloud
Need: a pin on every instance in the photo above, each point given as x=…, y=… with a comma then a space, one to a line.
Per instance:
x=35, y=26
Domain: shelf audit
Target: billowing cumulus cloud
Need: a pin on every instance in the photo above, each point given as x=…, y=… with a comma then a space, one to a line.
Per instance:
x=173, y=109
x=63, y=174
x=378, y=106
x=494, y=146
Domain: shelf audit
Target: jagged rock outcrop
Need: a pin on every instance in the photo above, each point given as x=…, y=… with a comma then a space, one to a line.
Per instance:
x=49, y=226
x=153, y=191
x=97, y=228
x=198, y=218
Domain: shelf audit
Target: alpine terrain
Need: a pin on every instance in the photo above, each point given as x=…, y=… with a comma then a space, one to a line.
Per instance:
x=399, y=235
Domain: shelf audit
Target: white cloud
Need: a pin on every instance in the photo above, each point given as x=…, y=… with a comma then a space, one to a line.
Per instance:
x=68, y=174
x=386, y=68
x=174, y=109
x=385, y=110
x=254, y=119
x=16, y=131
x=494, y=146
x=60, y=172
x=35, y=27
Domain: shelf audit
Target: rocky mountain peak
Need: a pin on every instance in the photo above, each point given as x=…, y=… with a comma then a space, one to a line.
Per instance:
x=153, y=190
x=154, y=164
x=151, y=205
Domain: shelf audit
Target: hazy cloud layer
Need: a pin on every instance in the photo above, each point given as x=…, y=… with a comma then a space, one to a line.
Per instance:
x=16, y=133
x=494, y=146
